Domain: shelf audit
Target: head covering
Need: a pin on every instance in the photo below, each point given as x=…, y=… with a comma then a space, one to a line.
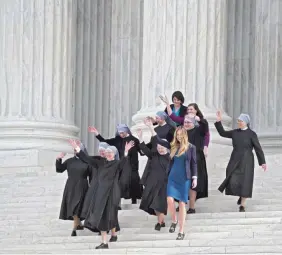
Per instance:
x=83, y=148
x=114, y=150
x=245, y=118
x=162, y=115
x=163, y=142
x=103, y=146
x=123, y=128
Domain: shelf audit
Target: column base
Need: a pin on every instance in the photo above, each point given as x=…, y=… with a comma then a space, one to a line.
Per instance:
x=28, y=143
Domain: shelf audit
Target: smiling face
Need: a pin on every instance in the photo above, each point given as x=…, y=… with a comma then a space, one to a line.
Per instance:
x=241, y=124
x=188, y=124
x=110, y=155
x=122, y=134
x=161, y=149
x=191, y=110
x=102, y=152
x=176, y=102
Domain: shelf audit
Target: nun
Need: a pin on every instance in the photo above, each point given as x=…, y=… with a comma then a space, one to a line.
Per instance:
x=79, y=176
x=240, y=169
x=123, y=136
x=103, y=209
x=154, y=199
x=95, y=177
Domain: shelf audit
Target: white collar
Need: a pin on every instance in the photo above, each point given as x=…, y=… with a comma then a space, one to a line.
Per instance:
x=245, y=128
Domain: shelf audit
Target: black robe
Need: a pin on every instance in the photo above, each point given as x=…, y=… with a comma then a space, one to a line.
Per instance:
x=196, y=136
x=136, y=188
x=240, y=169
x=102, y=213
x=92, y=186
x=75, y=188
x=155, y=196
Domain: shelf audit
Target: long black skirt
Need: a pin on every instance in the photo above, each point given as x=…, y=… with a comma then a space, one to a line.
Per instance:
x=154, y=197
x=136, y=189
x=73, y=198
x=202, y=185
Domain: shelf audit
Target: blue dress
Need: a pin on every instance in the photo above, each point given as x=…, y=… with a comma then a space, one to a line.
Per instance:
x=178, y=185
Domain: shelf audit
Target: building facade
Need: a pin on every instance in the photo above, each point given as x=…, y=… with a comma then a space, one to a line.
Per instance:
x=68, y=64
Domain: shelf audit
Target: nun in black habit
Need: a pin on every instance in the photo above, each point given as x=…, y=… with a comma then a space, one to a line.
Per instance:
x=123, y=136
x=95, y=176
x=103, y=209
x=154, y=199
x=240, y=169
x=79, y=176
x=196, y=135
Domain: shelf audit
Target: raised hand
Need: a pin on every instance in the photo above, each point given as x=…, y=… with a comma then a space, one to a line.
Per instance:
x=129, y=145
x=61, y=155
x=140, y=133
x=218, y=116
x=164, y=99
x=93, y=130
x=151, y=118
x=73, y=143
x=197, y=118
x=264, y=167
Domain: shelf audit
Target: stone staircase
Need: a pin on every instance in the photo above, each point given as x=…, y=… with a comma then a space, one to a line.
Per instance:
x=29, y=208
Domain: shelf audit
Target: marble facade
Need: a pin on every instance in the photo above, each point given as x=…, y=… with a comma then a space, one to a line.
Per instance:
x=68, y=64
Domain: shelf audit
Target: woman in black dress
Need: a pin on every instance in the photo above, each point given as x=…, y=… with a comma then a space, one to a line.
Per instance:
x=196, y=136
x=75, y=189
x=103, y=210
x=240, y=169
x=154, y=199
x=123, y=136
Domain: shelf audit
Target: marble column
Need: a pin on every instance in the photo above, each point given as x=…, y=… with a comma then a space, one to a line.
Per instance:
x=254, y=64
x=108, y=70
x=36, y=79
x=184, y=49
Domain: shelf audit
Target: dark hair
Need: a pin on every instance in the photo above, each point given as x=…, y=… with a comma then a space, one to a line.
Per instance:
x=178, y=95
x=196, y=107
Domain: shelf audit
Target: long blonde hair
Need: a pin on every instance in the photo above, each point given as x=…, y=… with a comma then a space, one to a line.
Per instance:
x=181, y=146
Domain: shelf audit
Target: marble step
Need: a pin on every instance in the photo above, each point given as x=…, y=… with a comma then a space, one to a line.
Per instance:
x=126, y=237
x=63, y=232
x=195, y=245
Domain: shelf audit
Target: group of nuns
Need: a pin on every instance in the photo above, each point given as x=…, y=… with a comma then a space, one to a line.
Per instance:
x=175, y=171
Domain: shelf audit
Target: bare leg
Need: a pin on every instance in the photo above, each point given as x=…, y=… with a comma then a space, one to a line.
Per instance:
x=243, y=201
x=160, y=217
x=104, y=237
x=171, y=209
x=76, y=221
x=113, y=232
x=182, y=217
x=192, y=198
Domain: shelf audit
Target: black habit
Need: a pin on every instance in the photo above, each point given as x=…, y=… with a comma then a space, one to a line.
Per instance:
x=136, y=188
x=196, y=136
x=155, y=179
x=240, y=169
x=102, y=213
x=75, y=188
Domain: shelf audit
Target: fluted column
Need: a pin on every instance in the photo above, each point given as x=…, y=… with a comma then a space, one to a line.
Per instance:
x=184, y=49
x=36, y=73
x=253, y=66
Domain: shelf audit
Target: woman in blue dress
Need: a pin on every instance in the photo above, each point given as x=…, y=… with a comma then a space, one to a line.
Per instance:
x=182, y=171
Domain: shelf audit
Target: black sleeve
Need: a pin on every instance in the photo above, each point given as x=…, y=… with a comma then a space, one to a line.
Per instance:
x=221, y=131
x=61, y=167
x=258, y=149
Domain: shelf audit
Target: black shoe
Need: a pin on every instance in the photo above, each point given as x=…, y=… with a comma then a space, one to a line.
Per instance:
x=177, y=209
x=180, y=236
x=119, y=208
x=73, y=233
x=242, y=209
x=158, y=226
x=172, y=227
x=134, y=201
x=191, y=211
x=102, y=246
x=239, y=201
x=79, y=227
x=113, y=239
